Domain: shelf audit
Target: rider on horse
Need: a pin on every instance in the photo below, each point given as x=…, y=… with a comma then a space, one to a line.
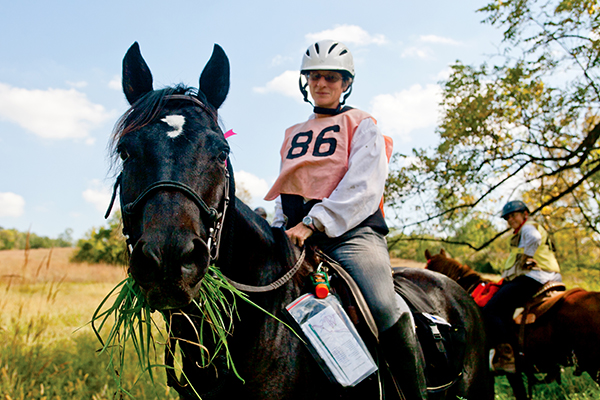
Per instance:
x=530, y=265
x=328, y=194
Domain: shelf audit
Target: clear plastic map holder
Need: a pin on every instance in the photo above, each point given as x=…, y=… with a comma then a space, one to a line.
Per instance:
x=334, y=341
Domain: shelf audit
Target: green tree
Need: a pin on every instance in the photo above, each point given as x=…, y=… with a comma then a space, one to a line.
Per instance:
x=525, y=127
x=8, y=238
x=103, y=245
x=65, y=239
x=13, y=239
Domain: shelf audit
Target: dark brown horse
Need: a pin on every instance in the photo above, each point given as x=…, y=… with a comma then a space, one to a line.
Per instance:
x=180, y=215
x=567, y=335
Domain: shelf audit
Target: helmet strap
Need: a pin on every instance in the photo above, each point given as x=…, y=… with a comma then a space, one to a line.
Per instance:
x=321, y=110
x=303, y=90
x=348, y=92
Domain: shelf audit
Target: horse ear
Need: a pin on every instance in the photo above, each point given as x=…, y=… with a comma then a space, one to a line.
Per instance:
x=214, y=80
x=427, y=254
x=137, y=78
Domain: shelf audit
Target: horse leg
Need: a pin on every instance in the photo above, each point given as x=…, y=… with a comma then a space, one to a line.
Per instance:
x=518, y=386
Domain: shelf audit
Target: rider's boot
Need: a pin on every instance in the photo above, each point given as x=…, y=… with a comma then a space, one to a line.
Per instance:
x=503, y=358
x=403, y=356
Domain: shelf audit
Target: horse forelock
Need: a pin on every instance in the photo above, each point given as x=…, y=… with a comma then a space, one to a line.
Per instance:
x=146, y=110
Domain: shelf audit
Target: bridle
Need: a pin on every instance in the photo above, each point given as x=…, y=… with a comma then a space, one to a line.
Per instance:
x=210, y=216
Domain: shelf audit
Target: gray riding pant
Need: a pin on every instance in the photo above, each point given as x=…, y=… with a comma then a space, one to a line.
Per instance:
x=363, y=253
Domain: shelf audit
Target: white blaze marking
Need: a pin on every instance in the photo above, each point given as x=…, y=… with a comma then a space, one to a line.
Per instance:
x=176, y=122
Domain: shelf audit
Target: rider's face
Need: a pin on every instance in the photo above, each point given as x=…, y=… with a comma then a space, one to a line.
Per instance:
x=516, y=219
x=326, y=87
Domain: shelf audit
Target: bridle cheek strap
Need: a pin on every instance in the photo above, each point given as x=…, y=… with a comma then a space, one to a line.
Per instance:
x=208, y=215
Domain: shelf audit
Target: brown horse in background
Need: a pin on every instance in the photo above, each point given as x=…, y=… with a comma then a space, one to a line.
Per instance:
x=568, y=334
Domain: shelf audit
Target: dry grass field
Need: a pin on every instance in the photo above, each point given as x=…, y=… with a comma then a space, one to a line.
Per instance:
x=42, y=285
x=49, y=352
x=46, y=303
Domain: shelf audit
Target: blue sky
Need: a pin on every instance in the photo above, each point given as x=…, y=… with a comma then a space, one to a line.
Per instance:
x=60, y=92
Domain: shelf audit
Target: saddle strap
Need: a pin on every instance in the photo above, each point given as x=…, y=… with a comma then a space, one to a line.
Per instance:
x=355, y=290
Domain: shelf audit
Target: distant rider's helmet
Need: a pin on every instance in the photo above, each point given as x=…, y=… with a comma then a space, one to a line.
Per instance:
x=327, y=55
x=513, y=206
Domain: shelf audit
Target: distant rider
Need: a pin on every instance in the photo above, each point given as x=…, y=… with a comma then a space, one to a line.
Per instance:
x=530, y=265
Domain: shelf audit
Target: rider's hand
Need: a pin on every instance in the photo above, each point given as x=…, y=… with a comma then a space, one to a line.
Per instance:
x=530, y=263
x=299, y=233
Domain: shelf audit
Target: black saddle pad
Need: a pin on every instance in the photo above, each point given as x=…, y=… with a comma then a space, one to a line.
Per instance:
x=443, y=345
x=416, y=298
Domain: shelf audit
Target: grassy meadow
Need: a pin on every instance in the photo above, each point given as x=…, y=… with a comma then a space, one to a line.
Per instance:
x=49, y=352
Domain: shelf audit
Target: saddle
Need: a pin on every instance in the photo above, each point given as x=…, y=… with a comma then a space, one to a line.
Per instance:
x=442, y=344
x=551, y=294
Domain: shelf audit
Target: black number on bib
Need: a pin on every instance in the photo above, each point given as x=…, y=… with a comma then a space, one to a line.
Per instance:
x=298, y=144
x=331, y=143
x=323, y=146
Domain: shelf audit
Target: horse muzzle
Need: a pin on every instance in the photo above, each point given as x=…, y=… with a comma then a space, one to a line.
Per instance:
x=169, y=275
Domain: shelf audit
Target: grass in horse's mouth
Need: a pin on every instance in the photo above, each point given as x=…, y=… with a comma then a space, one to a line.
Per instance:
x=132, y=321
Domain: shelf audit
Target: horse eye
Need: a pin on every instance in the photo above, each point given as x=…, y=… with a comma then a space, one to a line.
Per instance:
x=223, y=156
x=123, y=154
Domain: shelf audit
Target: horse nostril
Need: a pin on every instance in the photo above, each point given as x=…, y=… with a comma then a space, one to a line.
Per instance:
x=144, y=263
x=195, y=259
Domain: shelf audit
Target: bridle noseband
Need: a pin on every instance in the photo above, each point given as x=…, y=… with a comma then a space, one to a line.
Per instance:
x=210, y=216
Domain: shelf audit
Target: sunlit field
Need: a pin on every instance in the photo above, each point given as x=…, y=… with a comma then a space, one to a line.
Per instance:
x=49, y=352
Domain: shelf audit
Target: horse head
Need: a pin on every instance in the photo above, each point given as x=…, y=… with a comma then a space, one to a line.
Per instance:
x=444, y=264
x=175, y=182
x=461, y=273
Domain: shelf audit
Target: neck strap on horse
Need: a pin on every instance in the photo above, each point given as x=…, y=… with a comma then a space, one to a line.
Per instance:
x=275, y=285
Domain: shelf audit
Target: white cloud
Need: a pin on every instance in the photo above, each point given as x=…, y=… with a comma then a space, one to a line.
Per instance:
x=80, y=84
x=257, y=187
x=439, y=40
x=402, y=112
x=417, y=52
x=115, y=83
x=444, y=74
x=11, y=205
x=286, y=84
x=279, y=60
x=99, y=195
x=52, y=113
x=348, y=34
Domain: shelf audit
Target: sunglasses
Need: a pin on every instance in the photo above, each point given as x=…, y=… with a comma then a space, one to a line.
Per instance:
x=329, y=78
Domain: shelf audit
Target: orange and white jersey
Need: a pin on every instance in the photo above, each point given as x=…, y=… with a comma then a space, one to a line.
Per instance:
x=342, y=162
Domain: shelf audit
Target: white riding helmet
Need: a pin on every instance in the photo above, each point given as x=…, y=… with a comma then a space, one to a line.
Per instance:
x=328, y=55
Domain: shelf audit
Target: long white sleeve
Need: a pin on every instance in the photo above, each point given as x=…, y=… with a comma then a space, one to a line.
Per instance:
x=530, y=240
x=279, y=219
x=359, y=193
